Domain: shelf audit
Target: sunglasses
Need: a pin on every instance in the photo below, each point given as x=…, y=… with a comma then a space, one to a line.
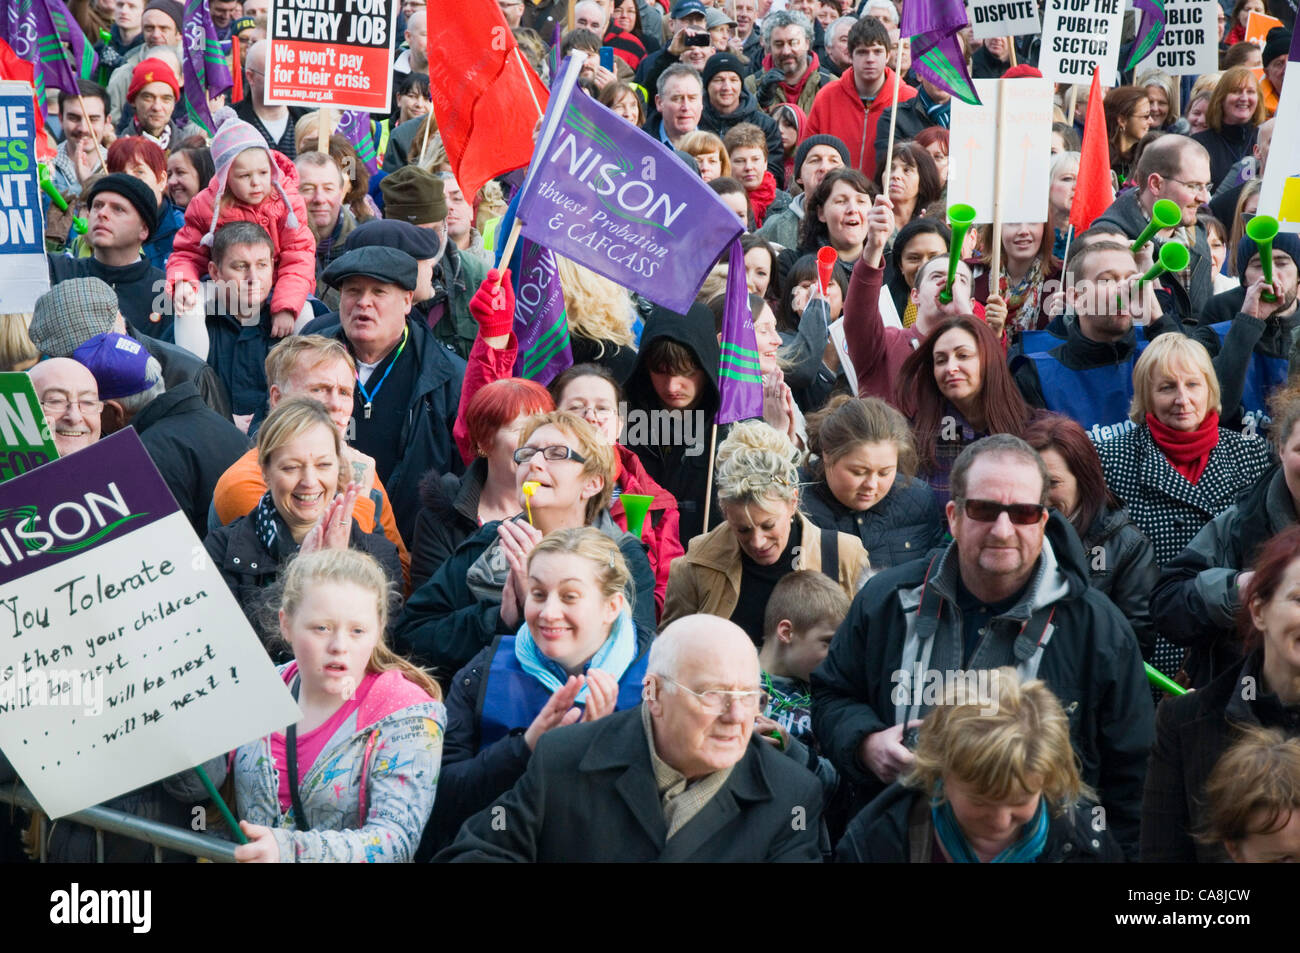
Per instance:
x=987, y=511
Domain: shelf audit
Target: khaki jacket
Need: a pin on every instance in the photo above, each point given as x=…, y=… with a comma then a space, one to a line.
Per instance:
x=707, y=578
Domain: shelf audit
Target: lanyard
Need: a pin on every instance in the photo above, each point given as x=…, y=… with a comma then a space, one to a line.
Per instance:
x=371, y=395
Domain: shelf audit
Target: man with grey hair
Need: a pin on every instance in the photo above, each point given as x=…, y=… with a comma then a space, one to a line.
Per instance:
x=274, y=123
x=590, y=15
x=837, y=46
x=678, y=778
x=1012, y=589
x=161, y=27
x=187, y=441
x=679, y=104
x=796, y=75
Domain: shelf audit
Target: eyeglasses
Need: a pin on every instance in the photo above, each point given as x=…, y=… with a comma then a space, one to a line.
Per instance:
x=600, y=413
x=716, y=701
x=59, y=405
x=987, y=511
x=1194, y=186
x=554, y=452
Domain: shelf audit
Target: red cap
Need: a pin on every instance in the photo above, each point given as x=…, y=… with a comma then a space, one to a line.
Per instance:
x=152, y=71
x=1022, y=70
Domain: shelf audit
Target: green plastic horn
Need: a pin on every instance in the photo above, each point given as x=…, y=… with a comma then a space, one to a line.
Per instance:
x=1161, y=681
x=1262, y=229
x=1164, y=214
x=960, y=219
x=43, y=175
x=1173, y=257
x=636, y=506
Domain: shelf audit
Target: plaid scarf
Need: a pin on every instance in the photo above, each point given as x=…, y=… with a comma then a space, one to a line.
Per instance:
x=1024, y=298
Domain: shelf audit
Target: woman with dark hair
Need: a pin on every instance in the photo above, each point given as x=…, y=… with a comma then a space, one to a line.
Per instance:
x=861, y=481
x=1241, y=11
x=626, y=35
x=914, y=184
x=1261, y=690
x=624, y=100
x=835, y=215
x=1122, y=564
x=1128, y=119
x=760, y=266
x=956, y=388
x=735, y=197
x=188, y=173
x=810, y=362
x=1236, y=109
x=916, y=243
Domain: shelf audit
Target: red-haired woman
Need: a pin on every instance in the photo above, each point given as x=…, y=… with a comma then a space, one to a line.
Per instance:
x=1192, y=731
x=455, y=507
x=956, y=388
x=1122, y=564
x=137, y=156
x=934, y=140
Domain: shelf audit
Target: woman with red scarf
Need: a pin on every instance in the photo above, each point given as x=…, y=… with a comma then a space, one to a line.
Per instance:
x=1177, y=468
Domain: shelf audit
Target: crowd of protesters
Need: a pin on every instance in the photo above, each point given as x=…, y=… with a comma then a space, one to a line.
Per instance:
x=912, y=607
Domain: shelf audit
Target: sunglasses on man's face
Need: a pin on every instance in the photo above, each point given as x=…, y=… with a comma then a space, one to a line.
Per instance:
x=988, y=511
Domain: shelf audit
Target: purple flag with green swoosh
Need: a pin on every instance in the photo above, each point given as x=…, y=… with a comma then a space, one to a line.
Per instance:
x=932, y=26
x=207, y=73
x=1150, y=29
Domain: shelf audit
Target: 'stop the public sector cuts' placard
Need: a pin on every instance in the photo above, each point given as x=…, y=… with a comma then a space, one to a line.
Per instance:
x=334, y=53
x=1080, y=34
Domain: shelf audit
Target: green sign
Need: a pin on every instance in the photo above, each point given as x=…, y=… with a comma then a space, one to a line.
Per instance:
x=25, y=439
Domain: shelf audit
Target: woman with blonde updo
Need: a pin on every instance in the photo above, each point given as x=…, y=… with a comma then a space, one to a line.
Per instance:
x=732, y=570
x=995, y=780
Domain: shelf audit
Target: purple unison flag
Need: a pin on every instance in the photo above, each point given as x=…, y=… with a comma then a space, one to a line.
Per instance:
x=85, y=59
x=34, y=36
x=936, y=54
x=739, y=379
x=541, y=322
x=602, y=192
x=355, y=125
x=206, y=72
x=1149, y=30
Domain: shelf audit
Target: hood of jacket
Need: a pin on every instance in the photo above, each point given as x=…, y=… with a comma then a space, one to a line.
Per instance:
x=746, y=111
x=694, y=331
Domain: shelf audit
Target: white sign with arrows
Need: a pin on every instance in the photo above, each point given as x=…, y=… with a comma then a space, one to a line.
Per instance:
x=1026, y=143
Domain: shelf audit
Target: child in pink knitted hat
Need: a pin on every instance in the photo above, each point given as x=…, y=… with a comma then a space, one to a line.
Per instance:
x=255, y=184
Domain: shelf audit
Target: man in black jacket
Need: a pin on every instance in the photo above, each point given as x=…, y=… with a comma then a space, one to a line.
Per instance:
x=123, y=216
x=678, y=778
x=189, y=444
x=1011, y=589
x=408, y=385
x=929, y=107
x=1178, y=169
x=727, y=104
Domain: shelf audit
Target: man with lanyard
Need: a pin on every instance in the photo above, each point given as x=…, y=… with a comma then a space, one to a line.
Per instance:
x=408, y=385
x=1012, y=589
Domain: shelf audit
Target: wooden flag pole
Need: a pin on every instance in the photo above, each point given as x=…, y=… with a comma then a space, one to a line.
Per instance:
x=886, y=172
x=1011, y=49
x=326, y=130
x=508, y=251
x=1074, y=99
x=528, y=80
x=708, y=486
x=995, y=266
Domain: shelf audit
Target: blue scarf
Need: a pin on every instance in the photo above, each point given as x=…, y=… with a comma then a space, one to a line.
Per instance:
x=613, y=657
x=1023, y=851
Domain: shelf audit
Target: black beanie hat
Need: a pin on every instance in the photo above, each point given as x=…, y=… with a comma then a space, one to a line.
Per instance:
x=134, y=191
x=723, y=63
x=1277, y=44
x=805, y=147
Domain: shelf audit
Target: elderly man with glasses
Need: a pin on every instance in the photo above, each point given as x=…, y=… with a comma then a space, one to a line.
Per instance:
x=681, y=777
x=1011, y=589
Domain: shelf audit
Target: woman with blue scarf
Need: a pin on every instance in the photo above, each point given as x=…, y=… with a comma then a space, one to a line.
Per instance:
x=993, y=780
x=577, y=657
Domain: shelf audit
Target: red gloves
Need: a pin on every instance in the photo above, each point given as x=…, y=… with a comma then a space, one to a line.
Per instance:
x=494, y=308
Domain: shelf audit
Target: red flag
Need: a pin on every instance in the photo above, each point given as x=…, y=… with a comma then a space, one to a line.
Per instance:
x=13, y=68
x=486, y=98
x=1092, y=191
x=236, y=72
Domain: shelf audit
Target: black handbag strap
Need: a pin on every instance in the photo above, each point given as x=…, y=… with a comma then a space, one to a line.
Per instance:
x=830, y=554
x=291, y=755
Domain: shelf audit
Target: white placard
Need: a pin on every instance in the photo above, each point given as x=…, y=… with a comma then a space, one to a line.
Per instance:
x=1279, y=195
x=1002, y=17
x=1078, y=34
x=128, y=660
x=1189, y=46
x=1026, y=138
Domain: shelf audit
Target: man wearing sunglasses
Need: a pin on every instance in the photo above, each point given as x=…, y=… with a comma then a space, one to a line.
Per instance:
x=678, y=778
x=1011, y=589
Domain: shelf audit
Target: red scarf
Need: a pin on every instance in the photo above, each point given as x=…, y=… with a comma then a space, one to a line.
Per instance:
x=761, y=197
x=793, y=91
x=1187, y=451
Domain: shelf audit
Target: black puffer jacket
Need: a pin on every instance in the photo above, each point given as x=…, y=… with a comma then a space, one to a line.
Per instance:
x=747, y=111
x=679, y=467
x=1195, y=601
x=448, y=516
x=905, y=525
x=1091, y=662
x=1122, y=566
x=882, y=833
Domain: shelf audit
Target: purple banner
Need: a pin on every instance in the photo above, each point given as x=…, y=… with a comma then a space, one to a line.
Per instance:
x=207, y=73
x=68, y=507
x=739, y=378
x=354, y=125
x=603, y=193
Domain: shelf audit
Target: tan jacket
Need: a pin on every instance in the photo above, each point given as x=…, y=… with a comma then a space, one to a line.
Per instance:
x=707, y=578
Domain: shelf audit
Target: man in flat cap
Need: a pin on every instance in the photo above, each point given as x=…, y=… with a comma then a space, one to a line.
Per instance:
x=123, y=215
x=418, y=197
x=77, y=309
x=408, y=385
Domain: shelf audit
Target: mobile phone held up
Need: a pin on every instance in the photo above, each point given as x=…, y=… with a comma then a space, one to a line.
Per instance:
x=607, y=57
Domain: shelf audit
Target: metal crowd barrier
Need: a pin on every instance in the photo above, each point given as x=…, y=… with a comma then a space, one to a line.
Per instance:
x=105, y=820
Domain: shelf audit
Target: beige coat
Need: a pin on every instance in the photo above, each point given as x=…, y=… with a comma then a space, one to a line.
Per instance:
x=707, y=578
